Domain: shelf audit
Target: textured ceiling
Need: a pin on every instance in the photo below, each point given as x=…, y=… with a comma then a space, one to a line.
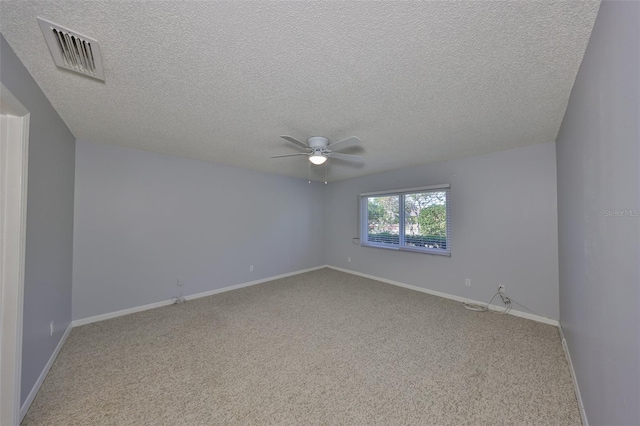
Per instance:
x=219, y=81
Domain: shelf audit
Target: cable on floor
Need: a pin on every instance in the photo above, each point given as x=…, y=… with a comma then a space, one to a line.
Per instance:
x=484, y=308
x=179, y=299
x=520, y=304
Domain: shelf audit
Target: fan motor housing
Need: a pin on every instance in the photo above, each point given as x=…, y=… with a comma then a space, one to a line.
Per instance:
x=318, y=142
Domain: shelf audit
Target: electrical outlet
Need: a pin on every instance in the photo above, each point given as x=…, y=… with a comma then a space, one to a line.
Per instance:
x=467, y=282
x=502, y=289
x=250, y=268
x=180, y=282
x=51, y=328
x=349, y=259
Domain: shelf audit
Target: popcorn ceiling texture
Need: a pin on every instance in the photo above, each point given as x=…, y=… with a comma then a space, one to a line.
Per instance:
x=323, y=348
x=219, y=81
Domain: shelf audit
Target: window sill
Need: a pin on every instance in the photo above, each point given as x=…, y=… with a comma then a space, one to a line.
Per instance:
x=436, y=252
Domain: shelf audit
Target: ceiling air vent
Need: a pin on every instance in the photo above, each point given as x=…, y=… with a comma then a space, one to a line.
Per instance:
x=73, y=51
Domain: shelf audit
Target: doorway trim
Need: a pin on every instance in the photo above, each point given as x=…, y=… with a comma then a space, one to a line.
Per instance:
x=14, y=152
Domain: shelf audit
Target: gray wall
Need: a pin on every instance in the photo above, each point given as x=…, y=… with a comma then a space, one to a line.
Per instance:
x=598, y=174
x=504, y=228
x=144, y=219
x=49, y=246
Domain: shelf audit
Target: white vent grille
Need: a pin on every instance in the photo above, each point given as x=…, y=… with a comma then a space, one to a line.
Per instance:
x=73, y=51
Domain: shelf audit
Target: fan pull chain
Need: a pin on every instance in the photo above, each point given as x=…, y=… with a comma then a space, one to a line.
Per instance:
x=325, y=172
x=309, y=171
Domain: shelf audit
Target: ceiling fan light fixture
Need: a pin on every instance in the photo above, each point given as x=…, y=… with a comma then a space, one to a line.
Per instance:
x=318, y=159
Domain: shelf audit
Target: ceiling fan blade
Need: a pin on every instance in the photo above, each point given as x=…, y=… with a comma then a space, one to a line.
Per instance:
x=344, y=144
x=347, y=157
x=296, y=141
x=288, y=155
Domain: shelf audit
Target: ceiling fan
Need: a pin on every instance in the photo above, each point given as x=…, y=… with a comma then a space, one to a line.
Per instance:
x=319, y=149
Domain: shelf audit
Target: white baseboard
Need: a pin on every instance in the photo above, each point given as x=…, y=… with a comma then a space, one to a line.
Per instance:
x=583, y=413
x=102, y=317
x=250, y=283
x=516, y=313
x=43, y=374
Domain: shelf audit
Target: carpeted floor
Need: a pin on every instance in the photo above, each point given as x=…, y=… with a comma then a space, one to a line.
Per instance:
x=319, y=348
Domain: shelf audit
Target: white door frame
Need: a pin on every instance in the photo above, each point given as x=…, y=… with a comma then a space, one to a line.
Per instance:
x=14, y=149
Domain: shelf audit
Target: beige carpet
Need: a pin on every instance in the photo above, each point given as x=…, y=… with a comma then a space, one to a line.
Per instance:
x=319, y=348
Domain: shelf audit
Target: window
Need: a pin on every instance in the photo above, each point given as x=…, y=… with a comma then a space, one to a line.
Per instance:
x=415, y=219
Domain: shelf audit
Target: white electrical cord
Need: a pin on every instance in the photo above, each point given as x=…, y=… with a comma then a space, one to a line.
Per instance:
x=179, y=299
x=484, y=308
x=506, y=300
x=520, y=304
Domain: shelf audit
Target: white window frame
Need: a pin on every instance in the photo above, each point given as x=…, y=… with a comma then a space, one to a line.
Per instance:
x=364, y=222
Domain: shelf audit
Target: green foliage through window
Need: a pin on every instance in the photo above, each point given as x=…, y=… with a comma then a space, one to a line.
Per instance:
x=384, y=214
x=433, y=220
